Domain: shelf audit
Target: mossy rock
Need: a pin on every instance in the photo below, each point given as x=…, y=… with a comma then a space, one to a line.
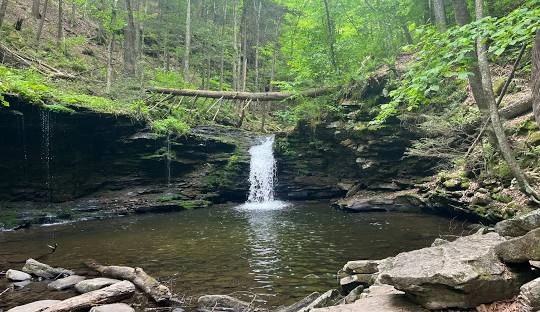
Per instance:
x=456, y=184
x=503, y=198
x=534, y=138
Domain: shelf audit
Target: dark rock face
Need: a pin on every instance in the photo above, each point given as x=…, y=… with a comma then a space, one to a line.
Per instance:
x=338, y=158
x=53, y=156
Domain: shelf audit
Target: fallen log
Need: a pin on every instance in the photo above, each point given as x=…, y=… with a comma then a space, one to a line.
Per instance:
x=242, y=96
x=110, y=294
x=517, y=108
x=148, y=284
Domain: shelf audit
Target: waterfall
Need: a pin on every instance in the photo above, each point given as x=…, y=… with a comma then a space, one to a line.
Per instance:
x=169, y=160
x=46, y=149
x=262, y=174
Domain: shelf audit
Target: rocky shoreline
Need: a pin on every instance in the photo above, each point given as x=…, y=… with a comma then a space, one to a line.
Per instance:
x=495, y=269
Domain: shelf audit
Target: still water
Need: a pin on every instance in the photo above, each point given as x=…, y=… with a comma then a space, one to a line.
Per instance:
x=280, y=255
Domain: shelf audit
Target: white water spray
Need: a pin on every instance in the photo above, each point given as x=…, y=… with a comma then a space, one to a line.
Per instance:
x=262, y=174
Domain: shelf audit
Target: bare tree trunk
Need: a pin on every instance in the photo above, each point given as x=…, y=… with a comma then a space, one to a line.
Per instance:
x=222, y=54
x=502, y=140
x=440, y=15
x=141, y=29
x=257, y=41
x=42, y=21
x=72, y=17
x=536, y=78
x=110, y=48
x=463, y=17
x=129, y=42
x=187, y=42
x=3, y=9
x=35, y=9
x=60, y=28
x=331, y=36
x=406, y=33
x=244, y=47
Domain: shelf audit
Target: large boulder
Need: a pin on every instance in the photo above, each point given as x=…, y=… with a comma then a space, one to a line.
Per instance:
x=94, y=284
x=222, y=302
x=520, y=249
x=459, y=274
x=519, y=225
x=17, y=276
x=44, y=270
x=66, y=282
x=378, y=298
x=530, y=296
x=34, y=306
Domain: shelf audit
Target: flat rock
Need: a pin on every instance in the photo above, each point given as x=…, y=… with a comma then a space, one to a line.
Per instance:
x=300, y=304
x=362, y=266
x=520, y=249
x=115, y=307
x=378, y=298
x=66, y=282
x=519, y=225
x=34, y=306
x=94, y=284
x=17, y=276
x=353, y=295
x=43, y=270
x=530, y=295
x=460, y=274
x=329, y=298
x=222, y=301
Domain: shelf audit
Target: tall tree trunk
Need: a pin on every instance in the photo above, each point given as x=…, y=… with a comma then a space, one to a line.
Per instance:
x=244, y=46
x=331, y=36
x=60, y=28
x=35, y=9
x=406, y=33
x=502, y=140
x=187, y=41
x=3, y=9
x=222, y=54
x=536, y=78
x=463, y=17
x=440, y=15
x=110, y=47
x=129, y=42
x=257, y=8
x=42, y=21
x=72, y=17
x=140, y=48
x=235, y=45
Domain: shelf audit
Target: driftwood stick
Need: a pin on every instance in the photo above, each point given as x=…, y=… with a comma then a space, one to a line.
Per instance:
x=113, y=293
x=148, y=284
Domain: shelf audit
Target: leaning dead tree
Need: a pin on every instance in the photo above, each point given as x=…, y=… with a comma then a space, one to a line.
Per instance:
x=536, y=78
x=241, y=96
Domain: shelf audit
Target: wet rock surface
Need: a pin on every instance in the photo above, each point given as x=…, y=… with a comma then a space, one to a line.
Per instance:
x=17, y=276
x=57, y=166
x=44, y=270
x=66, y=282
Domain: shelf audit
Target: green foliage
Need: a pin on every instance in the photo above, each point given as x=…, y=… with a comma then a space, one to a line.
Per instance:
x=441, y=58
x=169, y=125
x=163, y=78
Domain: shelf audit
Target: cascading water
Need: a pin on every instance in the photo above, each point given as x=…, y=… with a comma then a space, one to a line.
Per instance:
x=262, y=173
x=169, y=160
x=46, y=149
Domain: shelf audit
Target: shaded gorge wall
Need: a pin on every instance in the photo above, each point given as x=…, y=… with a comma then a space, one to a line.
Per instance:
x=54, y=155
